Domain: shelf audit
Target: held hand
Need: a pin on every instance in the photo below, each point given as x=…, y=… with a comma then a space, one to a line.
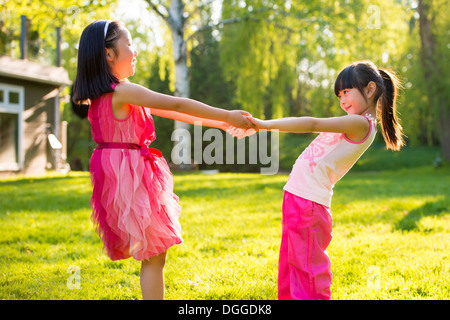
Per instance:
x=241, y=133
x=239, y=119
x=257, y=123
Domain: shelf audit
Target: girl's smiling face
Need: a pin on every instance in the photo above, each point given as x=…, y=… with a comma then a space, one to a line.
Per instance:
x=353, y=101
x=122, y=58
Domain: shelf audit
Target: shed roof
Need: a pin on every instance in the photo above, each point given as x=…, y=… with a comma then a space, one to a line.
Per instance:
x=32, y=71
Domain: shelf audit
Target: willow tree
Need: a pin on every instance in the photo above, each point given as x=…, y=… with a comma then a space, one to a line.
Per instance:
x=294, y=51
x=261, y=54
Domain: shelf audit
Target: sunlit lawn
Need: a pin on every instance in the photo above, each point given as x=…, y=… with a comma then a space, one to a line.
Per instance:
x=391, y=238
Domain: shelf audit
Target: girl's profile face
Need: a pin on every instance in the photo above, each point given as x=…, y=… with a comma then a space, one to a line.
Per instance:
x=122, y=59
x=352, y=101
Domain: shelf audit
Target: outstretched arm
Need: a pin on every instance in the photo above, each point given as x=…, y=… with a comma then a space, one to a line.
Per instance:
x=355, y=127
x=130, y=93
x=190, y=119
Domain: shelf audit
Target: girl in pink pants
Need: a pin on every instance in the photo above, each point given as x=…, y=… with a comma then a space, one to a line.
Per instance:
x=365, y=92
x=304, y=266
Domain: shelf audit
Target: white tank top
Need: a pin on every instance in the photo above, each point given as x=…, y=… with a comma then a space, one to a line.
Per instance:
x=324, y=162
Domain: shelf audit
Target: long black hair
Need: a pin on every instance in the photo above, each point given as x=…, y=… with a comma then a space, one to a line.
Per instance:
x=358, y=75
x=94, y=76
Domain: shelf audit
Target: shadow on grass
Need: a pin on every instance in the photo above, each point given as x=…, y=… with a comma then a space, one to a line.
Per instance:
x=24, y=181
x=391, y=184
x=411, y=220
x=45, y=194
x=199, y=186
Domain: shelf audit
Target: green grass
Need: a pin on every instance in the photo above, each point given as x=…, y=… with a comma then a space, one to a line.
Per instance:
x=391, y=238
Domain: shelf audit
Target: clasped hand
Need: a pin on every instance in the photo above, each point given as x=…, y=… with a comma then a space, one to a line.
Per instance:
x=242, y=133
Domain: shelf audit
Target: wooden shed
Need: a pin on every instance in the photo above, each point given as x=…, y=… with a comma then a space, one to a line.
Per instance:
x=30, y=123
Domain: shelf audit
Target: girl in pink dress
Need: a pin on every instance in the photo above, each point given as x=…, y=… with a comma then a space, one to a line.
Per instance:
x=135, y=211
x=364, y=91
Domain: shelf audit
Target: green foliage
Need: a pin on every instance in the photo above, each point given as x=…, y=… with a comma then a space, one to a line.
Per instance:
x=262, y=68
x=277, y=48
x=44, y=17
x=208, y=83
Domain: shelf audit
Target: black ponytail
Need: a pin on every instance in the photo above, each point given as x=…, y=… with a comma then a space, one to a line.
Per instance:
x=390, y=125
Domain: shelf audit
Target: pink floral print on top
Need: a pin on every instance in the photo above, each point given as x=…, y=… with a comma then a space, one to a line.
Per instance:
x=316, y=148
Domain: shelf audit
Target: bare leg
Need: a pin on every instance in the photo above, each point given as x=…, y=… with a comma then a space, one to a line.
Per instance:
x=152, y=277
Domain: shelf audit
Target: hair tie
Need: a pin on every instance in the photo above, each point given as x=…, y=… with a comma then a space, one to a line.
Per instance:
x=106, y=29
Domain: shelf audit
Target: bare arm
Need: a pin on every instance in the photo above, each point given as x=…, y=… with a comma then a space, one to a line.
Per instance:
x=129, y=93
x=355, y=127
x=190, y=119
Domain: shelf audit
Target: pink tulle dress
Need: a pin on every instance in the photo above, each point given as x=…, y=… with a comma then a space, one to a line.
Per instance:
x=135, y=211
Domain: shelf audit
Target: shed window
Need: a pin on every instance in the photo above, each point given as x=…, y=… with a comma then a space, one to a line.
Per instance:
x=13, y=97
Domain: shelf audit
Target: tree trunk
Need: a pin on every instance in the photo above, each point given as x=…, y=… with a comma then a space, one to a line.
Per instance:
x=179, y=50
x=176, y=25
x=432, y=76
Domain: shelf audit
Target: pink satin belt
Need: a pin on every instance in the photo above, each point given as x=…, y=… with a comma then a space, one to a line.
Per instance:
x=146, y=152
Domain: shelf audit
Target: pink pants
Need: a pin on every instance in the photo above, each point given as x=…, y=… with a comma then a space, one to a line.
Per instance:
x=304, y=271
